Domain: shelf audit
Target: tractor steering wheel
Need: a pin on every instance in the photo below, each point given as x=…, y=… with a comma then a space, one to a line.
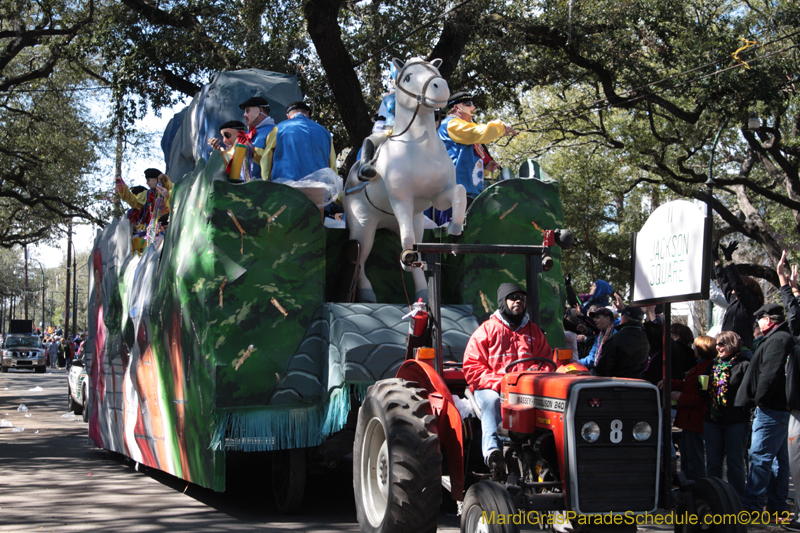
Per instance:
x=540, y=360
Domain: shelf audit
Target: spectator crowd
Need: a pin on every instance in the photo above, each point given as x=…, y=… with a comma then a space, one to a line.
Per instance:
x=735, y=392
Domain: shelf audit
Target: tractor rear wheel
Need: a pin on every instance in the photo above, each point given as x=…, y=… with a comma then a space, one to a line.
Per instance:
x=714, y=498
x=289, y=480
x=397, y=463
x=488, y=509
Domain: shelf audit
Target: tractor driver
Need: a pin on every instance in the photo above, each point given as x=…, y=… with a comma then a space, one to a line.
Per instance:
x=507, y=336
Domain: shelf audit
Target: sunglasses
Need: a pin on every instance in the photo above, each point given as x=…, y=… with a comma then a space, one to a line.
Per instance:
x=516, y=297
x=468, y=103
x=227, y=135
x=721, y=345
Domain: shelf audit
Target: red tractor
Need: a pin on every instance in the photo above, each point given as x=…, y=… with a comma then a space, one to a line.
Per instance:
x=579, y=450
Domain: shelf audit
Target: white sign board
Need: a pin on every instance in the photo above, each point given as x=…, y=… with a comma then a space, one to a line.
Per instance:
x=669, y=260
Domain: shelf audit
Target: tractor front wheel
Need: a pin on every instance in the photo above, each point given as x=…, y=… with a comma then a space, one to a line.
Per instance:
x=714, y=498
x=397, y=463
x=487, y=509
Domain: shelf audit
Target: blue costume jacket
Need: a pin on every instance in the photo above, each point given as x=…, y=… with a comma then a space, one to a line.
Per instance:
x=301, y=147
x=469, y=167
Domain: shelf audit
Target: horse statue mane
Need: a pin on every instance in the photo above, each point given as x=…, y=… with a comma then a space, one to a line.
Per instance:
x=414, y=173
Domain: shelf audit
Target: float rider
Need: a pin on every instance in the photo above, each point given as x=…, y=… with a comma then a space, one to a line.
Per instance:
x=381, y=131
x=229, y=133
x=460, y=135
x=151, y=203
x=508, y=335
x=297, y=147
x=259, y=125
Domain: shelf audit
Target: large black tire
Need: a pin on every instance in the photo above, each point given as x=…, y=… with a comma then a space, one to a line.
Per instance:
x=397, y=463
x=3, y=369
x=714, y=497
x=484, y=499
x=289, y=480
x=85, y=404
x=41, y=369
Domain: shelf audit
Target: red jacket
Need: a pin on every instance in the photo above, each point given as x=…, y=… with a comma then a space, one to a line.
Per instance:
x=494, y=344
x=691, y=405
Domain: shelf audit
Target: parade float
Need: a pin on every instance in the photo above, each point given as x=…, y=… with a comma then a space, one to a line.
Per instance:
x=238, y=331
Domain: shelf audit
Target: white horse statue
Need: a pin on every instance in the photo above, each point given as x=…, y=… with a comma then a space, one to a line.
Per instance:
x=413, y=173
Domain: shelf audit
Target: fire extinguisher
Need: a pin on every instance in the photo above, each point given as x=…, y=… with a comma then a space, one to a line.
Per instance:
x=419, y=319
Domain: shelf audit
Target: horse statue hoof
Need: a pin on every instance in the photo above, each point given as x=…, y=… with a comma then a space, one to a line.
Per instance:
x=366, y=172
x=455, y=229
x=366, y=296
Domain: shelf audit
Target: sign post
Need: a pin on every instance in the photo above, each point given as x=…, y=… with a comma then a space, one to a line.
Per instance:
x=669, y=263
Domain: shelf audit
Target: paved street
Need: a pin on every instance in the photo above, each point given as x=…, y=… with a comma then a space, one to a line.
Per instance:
x=52, y=479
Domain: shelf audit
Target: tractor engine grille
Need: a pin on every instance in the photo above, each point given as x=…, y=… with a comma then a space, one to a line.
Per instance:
x=616, y=473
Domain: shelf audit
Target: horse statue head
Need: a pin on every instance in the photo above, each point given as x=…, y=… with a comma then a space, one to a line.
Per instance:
x=413, y=172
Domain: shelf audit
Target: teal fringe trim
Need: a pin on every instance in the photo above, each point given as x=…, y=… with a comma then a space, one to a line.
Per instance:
x=338, y=407
x=336, y=411
x=268, y=429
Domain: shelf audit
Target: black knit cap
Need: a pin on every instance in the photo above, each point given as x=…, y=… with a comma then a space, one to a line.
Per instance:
x=233, y=124
x=458, y=98
x=152, y=173
x=502, y=293
x=298, y=105
x=255, y=101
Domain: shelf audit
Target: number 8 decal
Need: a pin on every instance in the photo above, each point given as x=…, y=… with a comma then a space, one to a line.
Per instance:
x=616, y=431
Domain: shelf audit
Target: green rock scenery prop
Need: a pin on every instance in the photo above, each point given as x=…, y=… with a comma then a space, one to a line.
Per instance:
x=223, y=339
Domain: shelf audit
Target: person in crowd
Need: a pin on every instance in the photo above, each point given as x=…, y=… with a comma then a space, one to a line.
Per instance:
x=743, y=294
x=508, y=335
x=460, y=135
x=297, y=147
x=725, y=425
x=790, y=294
x=229, y=133
x=150, y=204
x=766, y=390
x=692, y=407
x=64, y=352
x=575, y=332
x=603, y=319
x=69, y=354
x=682, y=354
x=599, y=295
x=625, y=353
x=52, y=351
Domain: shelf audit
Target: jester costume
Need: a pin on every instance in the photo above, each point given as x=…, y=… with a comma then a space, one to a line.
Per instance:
x=146, y=207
